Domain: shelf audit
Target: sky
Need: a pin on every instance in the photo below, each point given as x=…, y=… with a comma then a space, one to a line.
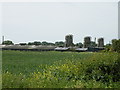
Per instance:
x=51, y=21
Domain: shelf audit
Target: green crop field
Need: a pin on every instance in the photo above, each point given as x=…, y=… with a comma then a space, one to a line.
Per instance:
x=52, y=69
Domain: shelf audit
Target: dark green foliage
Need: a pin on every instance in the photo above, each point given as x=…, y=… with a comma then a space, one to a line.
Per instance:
x=107, y=47
x=37, y=43
x=44, y=43
x=93, y=44
x=106, y=71
x=30, y=43
x=116, y=45
x=60, y=44
x=8, y=42
x=52, y=44
x=80, y=45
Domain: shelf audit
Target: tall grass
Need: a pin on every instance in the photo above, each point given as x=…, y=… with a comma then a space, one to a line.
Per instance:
x=61, y=70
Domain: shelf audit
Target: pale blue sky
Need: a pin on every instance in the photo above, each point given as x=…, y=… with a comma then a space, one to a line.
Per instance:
x=24, y=22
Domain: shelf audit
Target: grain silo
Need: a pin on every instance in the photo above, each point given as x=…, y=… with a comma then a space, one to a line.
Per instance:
x=68, y=40
x=101, y=42
x=87, y=42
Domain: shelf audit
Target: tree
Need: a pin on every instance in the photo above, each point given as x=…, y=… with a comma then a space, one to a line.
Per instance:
x=80, y=45
x=37, y=43
x=52, y=44
x=116, y=45
x=93, y=44
x=44, y=43
x=108, y=47
x=60, y=44
x=30, y=43
x=8, y=42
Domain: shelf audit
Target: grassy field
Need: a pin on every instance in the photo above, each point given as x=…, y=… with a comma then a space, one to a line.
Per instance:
x=52, y=69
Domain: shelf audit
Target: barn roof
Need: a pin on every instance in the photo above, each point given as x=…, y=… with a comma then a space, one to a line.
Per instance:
x=61, y=48
x=26, y=47
x=81, y=49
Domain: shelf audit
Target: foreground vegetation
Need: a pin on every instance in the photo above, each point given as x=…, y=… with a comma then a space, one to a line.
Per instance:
x=60, y=70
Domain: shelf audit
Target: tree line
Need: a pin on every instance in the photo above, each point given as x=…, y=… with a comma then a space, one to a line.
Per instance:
x=58, y=43
x=115, y=46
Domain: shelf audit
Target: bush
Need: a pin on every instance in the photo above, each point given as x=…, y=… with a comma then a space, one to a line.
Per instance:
x=116, y=45
x=8, y=42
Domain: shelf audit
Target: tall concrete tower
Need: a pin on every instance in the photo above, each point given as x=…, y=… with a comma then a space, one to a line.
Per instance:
x=68, y=40
x=119, y=20
x=87, y=42
x=101, y=42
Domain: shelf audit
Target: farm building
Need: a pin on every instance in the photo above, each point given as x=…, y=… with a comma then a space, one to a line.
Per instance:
x=28, y=48
x=81, y=49
x=48, y=48
x=61, y=49
x=88, y=46
x=89, y=49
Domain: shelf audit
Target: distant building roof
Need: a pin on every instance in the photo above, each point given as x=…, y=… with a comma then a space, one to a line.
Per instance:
x=81, y=49
x=61, y=48
x=26, y=47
